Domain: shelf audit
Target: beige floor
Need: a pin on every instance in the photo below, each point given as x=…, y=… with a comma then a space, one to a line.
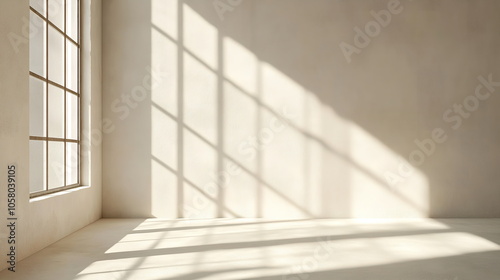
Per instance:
x=263, y=249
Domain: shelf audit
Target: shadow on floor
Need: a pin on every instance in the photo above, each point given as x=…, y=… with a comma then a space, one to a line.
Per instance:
x=262, y=249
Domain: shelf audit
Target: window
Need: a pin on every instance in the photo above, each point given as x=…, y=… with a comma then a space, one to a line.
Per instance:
x=54, y=95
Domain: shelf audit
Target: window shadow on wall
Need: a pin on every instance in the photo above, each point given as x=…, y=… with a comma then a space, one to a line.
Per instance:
x=258, y=114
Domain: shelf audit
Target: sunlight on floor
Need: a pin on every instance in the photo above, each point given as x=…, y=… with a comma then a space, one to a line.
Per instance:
x=234, y=249
x=410, y=249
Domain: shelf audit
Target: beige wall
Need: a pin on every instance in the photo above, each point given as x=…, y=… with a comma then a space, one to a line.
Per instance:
x=46, y=219
x=350, y=122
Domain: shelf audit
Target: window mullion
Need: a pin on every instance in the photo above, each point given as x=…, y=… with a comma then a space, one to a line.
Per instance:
x=47, y=96
x=78, y=88
x=65, y=93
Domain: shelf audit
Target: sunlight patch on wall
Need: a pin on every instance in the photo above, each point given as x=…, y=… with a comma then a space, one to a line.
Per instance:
x=240, y=66
x=200, y=98
x=281, y=93
x=164, y=64
x=163, y=191
x=163, y=164
x=200, y=166
x=241, y=126
x=164, y=16
x=372, y=195
x=200, y=37
x=299, y=157
x=241, y=193
x=163, y=138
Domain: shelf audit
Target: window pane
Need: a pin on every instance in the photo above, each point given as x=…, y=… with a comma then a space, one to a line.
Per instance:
x=56, y=112
x=72, y=19
x=38, y=107
x=39, y=6
x=71, y=163
x=56, y=164
x=37, y=45
x=72, y=66
x=56, y=13
x=38, y=155
x=71, y=116
x=56, y=56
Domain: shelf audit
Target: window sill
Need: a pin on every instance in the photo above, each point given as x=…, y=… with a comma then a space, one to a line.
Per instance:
x=46, y=195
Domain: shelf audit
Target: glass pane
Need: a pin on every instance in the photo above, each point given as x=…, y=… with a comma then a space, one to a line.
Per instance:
x=38, y=154
x=56, y=164
x=71, y=163
x=39, y=6
x=71, y=66
x=71, y=116
x=56, y=13
x=56, y=112
x=38, y=107
x=56, y=56
x=37, y=45
x=72, y=19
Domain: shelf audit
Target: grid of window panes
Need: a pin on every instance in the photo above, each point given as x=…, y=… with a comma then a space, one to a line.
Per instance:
x=54, y=95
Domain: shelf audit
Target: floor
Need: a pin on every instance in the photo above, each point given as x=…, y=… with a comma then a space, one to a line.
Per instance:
x=422, y=249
